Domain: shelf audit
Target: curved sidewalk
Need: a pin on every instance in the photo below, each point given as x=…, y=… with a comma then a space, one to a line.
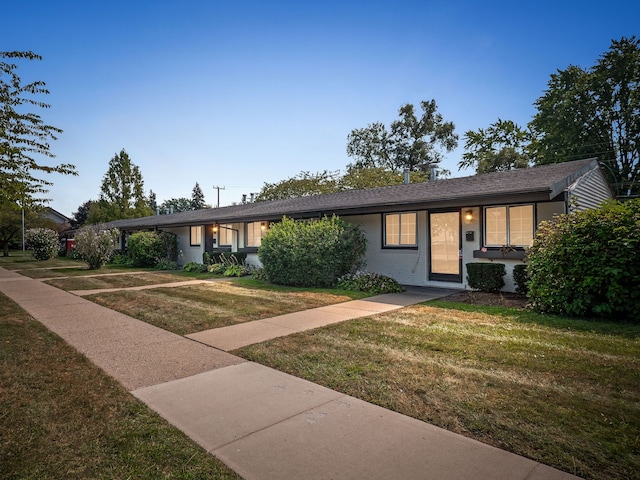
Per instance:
x=263, y=423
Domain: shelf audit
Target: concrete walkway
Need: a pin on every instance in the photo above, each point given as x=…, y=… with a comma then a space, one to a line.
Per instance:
x=261, y=422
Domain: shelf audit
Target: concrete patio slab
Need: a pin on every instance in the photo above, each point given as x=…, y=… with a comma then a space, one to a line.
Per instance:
x=219, y=407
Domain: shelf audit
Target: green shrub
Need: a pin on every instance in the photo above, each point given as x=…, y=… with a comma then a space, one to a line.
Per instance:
x=43, y=242
x=95, y=245
x=195, y=267
x=166, y=264
x=373, y=283
x=120, y=258
x=259, y=274
x=312, y=253
x=520, y=278
x=486, y=277
x=587, y=263
x=237, y=271
x=217, y=268
x=147, y=248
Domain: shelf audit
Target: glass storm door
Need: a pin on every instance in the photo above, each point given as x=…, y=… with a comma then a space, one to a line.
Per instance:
x=444, y=248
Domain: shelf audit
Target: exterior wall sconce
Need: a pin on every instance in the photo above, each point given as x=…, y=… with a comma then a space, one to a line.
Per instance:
x=215, y=228
x=263, y=226
x=468, y=216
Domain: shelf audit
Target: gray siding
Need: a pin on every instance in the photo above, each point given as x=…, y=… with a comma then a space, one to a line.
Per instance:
x=589, y=191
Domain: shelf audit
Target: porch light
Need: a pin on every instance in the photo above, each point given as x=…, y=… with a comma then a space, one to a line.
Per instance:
x=263, y=226
x=468, y=216
x=215, y=228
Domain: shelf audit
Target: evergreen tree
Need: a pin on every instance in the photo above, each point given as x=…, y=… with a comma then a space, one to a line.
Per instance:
x=197, y=198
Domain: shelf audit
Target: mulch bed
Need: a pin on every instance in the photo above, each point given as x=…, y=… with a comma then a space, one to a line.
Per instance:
x=501, y=299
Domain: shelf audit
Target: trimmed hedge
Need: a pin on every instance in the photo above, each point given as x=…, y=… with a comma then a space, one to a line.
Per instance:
x=486, y=277
x=145, y=249
x=313, y=253
x=520, y=278
x=587, y=264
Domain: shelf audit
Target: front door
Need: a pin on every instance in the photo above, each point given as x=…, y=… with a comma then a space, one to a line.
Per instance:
x=444, y=248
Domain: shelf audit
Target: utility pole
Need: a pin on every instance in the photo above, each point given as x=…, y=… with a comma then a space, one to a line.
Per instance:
x=218, y=189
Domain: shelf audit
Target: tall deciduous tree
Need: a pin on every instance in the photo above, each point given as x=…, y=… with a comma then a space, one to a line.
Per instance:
x=122, y=192
x=410, y=142
x=502, y=146
x=79, y=217
x=595, y=113
x=302, y=185
x=175, y=205
x=24, y=136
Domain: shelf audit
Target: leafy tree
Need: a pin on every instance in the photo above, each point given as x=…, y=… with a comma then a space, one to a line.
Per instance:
x=24, y=137
x=122, y=192
x=594, y=113
x=502, y=146
x=11, y=221
x=302, y=185
x=79, y=217
x=152, y=200
x=361, y=178
x=181, y=204
x=410, y=142
x=197, y=198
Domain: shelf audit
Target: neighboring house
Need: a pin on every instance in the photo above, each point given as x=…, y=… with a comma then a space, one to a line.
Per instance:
x=62, y=221
x=420, y=234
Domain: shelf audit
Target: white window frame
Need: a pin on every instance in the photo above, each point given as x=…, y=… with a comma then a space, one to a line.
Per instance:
x=251, y=228
x=225, y=236
x=195, y=235
x=398, y=243
x=508, y=225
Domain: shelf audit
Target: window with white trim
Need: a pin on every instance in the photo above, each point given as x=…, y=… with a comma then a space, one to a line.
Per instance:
x=195, y=236
x=508, y=225
x=225, y=235
x=254, y=232
x=400, y=229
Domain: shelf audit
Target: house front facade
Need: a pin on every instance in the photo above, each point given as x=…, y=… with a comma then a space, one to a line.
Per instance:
x=420, y=234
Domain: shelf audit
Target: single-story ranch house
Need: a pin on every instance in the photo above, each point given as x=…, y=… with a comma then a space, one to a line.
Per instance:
x=421, y=233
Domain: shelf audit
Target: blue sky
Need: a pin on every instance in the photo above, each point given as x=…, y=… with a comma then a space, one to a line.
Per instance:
x=236, y=94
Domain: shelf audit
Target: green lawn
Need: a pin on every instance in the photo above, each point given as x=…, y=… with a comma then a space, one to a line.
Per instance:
x=191, y=309
x=61, y=417
x=560, y=391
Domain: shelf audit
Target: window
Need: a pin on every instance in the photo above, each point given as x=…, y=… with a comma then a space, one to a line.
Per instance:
x=195, y=237
x=254, y=234
x=225, y=235
x=510, y=225
x=400, y=230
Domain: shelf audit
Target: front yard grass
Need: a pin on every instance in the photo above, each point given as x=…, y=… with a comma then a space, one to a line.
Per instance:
x=61, y=417
x=129, y=278
x=564, y=392
x=191, y=309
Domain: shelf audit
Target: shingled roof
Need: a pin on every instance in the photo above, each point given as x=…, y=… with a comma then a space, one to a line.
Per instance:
x=542, y=183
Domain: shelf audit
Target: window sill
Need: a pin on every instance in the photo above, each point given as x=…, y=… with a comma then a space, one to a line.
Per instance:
x=517, y=255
